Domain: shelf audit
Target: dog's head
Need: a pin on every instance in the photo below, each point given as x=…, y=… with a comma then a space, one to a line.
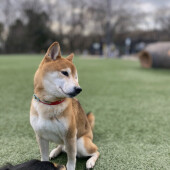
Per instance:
x=56, y=75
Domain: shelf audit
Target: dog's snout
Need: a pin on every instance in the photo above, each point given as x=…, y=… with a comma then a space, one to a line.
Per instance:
x=77, y=90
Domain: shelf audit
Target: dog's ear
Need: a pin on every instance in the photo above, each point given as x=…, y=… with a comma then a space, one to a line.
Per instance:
x=70, y=57
x=53, y=51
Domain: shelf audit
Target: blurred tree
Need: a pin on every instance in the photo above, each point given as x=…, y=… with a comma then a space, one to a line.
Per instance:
x=1, y=29
x=38, y=33
x=35, y=36
x=162, y=20
x=15, y=42
x=77, y=24
x=1, y=39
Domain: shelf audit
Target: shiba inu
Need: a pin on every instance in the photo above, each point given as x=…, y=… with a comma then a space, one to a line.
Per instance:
x=56, y=115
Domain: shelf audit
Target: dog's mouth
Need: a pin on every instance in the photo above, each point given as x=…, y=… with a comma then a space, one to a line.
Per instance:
x=71, y=95
x=63, y=91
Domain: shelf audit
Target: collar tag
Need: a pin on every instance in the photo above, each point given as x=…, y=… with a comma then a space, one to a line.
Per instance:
x=35, y=97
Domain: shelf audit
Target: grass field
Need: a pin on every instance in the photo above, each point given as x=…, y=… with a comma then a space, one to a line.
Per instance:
x=131, y=105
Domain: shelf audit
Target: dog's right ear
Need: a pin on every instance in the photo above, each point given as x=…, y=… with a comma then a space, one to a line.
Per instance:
x=53, y=51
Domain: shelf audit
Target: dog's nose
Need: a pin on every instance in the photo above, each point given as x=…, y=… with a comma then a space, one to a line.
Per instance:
x=77, y=90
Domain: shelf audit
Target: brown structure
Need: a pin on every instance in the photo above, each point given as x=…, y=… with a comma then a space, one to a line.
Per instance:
x=156, y=55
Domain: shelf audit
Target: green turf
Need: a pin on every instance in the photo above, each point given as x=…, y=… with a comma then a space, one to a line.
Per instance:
x=131, y=105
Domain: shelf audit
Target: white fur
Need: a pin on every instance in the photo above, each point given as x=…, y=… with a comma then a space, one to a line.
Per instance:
x=49, y=110
x=71, y=165
x=56, y=84
x=55, y=152
x=81, y=151
x=91, y=162
x=52, y=130
x=44, y=148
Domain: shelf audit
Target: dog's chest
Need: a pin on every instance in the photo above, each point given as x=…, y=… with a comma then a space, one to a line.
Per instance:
x=46, y=125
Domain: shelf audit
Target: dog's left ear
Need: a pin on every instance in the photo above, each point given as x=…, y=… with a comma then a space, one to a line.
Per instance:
x=53, y=51
x=70, y=57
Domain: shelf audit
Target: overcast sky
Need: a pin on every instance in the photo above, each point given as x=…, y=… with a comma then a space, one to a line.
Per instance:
x=147, y=6
x=152, y=5
x=156, y=3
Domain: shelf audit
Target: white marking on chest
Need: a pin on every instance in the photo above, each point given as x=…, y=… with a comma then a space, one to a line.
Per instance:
x=46, y=124
x=49, y=111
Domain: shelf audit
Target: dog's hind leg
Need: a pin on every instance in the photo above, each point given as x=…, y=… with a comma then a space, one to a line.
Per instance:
x=91, y=161
x=55, y=152
x=85, y=147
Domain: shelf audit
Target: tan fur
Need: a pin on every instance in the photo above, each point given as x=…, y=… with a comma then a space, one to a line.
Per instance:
x=69, y=115
x=33, y=111
x=91, y=119
x=89, y=145
x=51, y=66
x=59, y=167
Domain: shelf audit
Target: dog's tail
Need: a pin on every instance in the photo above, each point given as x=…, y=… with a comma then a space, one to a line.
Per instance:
x=91, y=119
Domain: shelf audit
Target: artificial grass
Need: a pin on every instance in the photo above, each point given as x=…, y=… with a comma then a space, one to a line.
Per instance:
x=131, y=105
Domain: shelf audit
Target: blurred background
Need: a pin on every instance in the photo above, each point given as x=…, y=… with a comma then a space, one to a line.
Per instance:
x=107, y=28
x=131, y=104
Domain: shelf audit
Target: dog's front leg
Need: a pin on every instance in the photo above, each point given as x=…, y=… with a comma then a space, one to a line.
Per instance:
x=71, y=150
x=44, y=148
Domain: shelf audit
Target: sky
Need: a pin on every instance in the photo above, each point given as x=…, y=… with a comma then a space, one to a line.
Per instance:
x=152, y=5
x=147, y=6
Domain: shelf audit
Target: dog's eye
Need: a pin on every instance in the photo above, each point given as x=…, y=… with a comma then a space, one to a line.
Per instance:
x=65, y=73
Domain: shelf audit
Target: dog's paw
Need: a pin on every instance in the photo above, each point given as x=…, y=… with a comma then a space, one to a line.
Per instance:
x=54, y=153
x=90, y=164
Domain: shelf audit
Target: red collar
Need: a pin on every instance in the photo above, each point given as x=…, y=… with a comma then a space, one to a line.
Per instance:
x=48, y=103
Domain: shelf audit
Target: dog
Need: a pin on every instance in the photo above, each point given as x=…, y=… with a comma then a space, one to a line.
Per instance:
x=56, y=115
x=34, y=165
